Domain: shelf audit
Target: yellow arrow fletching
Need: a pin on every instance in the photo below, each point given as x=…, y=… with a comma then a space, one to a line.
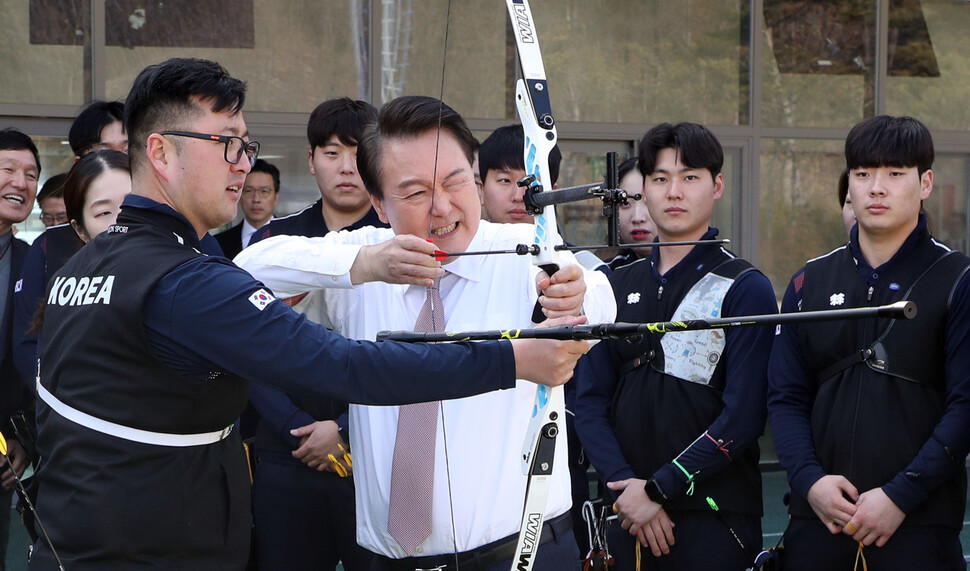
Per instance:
x=3, y=445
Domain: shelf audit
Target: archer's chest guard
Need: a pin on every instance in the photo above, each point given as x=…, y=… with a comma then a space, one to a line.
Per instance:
x=913, y=350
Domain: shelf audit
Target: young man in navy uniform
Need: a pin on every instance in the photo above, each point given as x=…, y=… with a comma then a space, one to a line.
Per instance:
x=871, y=418
x=147, y=347
x=672, y=421
x=295, y=480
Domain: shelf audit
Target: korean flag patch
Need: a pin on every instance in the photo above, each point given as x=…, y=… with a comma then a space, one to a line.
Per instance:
x=261, y=298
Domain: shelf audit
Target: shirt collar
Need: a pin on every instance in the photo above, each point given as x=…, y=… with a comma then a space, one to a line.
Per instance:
x=145, y=203
x=472, y=267
x=910, y=244
x=689, y=260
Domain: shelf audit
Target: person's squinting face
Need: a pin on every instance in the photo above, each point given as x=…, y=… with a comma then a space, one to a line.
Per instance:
x=408, y=178
x=102, y=203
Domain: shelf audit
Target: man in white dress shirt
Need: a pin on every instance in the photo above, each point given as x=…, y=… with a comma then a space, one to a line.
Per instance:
x=378, y=279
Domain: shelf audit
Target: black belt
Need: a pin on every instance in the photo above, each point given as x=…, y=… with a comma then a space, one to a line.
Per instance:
x=480, y=557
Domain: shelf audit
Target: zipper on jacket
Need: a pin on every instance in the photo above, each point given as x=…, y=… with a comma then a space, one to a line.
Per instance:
x=660, y=291
x=869, y=296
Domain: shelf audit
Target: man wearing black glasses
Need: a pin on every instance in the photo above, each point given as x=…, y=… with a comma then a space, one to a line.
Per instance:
x=147, y=351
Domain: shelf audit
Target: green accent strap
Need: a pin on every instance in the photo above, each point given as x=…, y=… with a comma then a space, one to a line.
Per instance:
x=710, y=502
x=690, y=477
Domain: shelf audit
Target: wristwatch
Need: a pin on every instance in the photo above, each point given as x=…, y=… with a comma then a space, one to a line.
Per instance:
x=654, y=492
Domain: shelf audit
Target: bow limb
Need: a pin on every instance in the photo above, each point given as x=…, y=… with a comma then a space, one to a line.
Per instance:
x=547, y=422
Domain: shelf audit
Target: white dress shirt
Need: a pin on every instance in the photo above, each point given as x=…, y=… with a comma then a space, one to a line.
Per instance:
x=479, y=481
x=247, y=232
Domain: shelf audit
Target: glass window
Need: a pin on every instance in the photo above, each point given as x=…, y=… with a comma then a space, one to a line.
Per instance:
x=615, y=65
x=412, y=44
x=933, y=48
x=800, y=214
x=647, y=61
x=292, y=55
x=817, y=69
x=42, y=52
x=947, y=207
x=582, y=223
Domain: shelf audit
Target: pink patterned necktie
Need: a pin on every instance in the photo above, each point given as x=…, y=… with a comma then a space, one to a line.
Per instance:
x=412, y=468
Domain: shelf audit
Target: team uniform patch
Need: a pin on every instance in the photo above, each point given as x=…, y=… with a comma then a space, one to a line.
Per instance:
x=19, y=286
x=261, y=298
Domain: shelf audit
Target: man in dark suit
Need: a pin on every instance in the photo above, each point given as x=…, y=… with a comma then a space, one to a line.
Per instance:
x=19, y=171
x=259, y=198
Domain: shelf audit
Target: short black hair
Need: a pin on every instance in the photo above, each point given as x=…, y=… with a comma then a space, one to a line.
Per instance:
x=86, y=129
x=408, y=117
x=843, y=187
x=53, y=187
x=624, y=169
x=885, y=141
x=503, y=150
x=12, y=139
x=262, y=166
x=161, y=98
x=697, y=145
x=342, y=117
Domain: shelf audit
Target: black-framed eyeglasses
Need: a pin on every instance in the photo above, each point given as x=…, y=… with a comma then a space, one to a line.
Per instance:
x=235, y=146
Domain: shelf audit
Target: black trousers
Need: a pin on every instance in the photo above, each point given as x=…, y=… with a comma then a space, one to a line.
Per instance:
x=305, y=519
x=701, y=541
x=810, y=546
x=557, y=554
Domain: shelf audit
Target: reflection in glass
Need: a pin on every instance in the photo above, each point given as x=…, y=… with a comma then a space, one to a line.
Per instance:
x=40, y=72
x=301, y=53
x=939, y=101
x=947, y=206
x=800, y=213
x=835, y=38
x=647, y=61
x=637, y=61
x=819, y=66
